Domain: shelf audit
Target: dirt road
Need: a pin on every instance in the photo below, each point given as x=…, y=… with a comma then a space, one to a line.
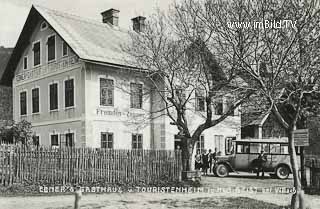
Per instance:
x=202, y=199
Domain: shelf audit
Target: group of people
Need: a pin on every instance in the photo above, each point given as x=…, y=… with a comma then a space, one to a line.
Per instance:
x=206, y=160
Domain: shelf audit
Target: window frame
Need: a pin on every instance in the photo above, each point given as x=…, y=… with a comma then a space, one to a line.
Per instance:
x=58, y=143
x=55, y=48
x=216, y=105
x=108, y=88
x=200, y=146
x=199, y=96
x=49, y=97
x=32, y=110
x=74, y=93
x=106, y=142
x=33, y=53
x=62, y=49
x=26, y=103
x=137, y=135
x=73, y=139
x=140, y=106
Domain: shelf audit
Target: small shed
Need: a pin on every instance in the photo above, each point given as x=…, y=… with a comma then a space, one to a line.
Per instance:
x=313, y=163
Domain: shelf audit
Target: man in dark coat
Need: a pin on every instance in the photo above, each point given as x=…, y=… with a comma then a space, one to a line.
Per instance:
x=262, y=159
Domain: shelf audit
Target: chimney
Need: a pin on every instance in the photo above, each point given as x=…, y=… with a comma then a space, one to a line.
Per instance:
x=111, y=16
x=138, y=23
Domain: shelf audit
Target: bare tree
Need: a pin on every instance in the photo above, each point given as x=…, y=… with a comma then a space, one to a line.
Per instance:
x=274, y=46
x=186, y=76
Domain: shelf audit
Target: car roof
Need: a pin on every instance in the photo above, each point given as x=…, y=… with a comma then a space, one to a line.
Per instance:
x=266, y=140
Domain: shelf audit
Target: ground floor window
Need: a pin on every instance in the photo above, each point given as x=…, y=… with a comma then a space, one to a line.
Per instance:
x=54, y=140
x=137, y=141
x=107, y=140
x=200, y=144
x=219, y=143
x=70, y=139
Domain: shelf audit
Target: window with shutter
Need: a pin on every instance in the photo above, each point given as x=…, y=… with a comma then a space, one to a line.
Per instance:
x=69, y=93
x=53, y=96
x=23, y=103
x=51, y=48
x=35, y=100
x=54, y=140
x=64, y=49
x=200, y=101
x=69, y=140
x=36, y=53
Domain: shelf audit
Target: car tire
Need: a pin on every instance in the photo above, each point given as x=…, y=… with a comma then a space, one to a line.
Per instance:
x=222, y=170
x=282, y=172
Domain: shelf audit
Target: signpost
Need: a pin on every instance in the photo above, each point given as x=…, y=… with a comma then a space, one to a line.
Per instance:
x=301, y=139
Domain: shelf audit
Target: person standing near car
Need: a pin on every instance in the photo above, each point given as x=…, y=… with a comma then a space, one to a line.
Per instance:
x=210, y=160
x=262, y=159
x=205, y=162
x=198, y=161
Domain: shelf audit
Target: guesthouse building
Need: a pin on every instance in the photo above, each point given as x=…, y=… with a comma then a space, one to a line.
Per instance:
x=71, y=80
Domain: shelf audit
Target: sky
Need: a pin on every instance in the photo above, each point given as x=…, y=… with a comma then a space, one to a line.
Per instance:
x=13, y=13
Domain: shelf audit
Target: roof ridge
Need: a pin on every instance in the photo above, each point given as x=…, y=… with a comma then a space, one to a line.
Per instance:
x=81, y=18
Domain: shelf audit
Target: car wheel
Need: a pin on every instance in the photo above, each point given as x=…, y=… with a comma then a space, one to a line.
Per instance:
x=222, y=170
x=282, y=172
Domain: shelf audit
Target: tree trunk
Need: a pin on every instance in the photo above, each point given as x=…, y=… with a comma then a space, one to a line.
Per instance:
x=186, y=151
x=298, y=197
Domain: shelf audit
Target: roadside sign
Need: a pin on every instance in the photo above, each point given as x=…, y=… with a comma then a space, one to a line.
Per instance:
x=301, y=137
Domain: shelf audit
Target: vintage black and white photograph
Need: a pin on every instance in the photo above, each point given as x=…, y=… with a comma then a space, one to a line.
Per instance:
x=142, y=104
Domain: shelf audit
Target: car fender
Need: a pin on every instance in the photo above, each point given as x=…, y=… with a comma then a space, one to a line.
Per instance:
x=285, y=164
x=229, y=166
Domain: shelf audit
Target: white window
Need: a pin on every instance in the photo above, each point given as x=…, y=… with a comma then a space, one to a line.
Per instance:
x=106, y=92
x=107, y=140
x=54, y=140
x=137, y=142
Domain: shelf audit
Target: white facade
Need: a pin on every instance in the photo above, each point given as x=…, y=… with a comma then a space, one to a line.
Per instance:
x=86, y=120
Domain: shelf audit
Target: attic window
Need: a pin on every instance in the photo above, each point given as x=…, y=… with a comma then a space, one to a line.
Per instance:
x=43, y=26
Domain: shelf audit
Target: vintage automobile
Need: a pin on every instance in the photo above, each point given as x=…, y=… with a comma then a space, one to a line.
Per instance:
x=244, y=153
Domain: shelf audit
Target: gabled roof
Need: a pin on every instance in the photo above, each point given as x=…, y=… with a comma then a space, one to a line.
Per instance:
x=90, y=40
x=254, y=118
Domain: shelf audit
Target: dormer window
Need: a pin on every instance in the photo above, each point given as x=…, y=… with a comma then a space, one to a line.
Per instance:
x=43, y=26
x=51, y=47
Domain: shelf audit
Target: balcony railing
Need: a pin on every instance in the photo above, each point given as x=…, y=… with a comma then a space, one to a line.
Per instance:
x=47, y=69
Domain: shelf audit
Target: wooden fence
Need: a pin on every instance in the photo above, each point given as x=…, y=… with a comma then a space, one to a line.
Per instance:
x=87, y=165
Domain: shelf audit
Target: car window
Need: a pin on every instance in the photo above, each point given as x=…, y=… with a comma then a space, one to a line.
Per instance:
x=265, y=147
x=275, y=149
x=255, y=147
x=284, y=149
x=242, y=148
